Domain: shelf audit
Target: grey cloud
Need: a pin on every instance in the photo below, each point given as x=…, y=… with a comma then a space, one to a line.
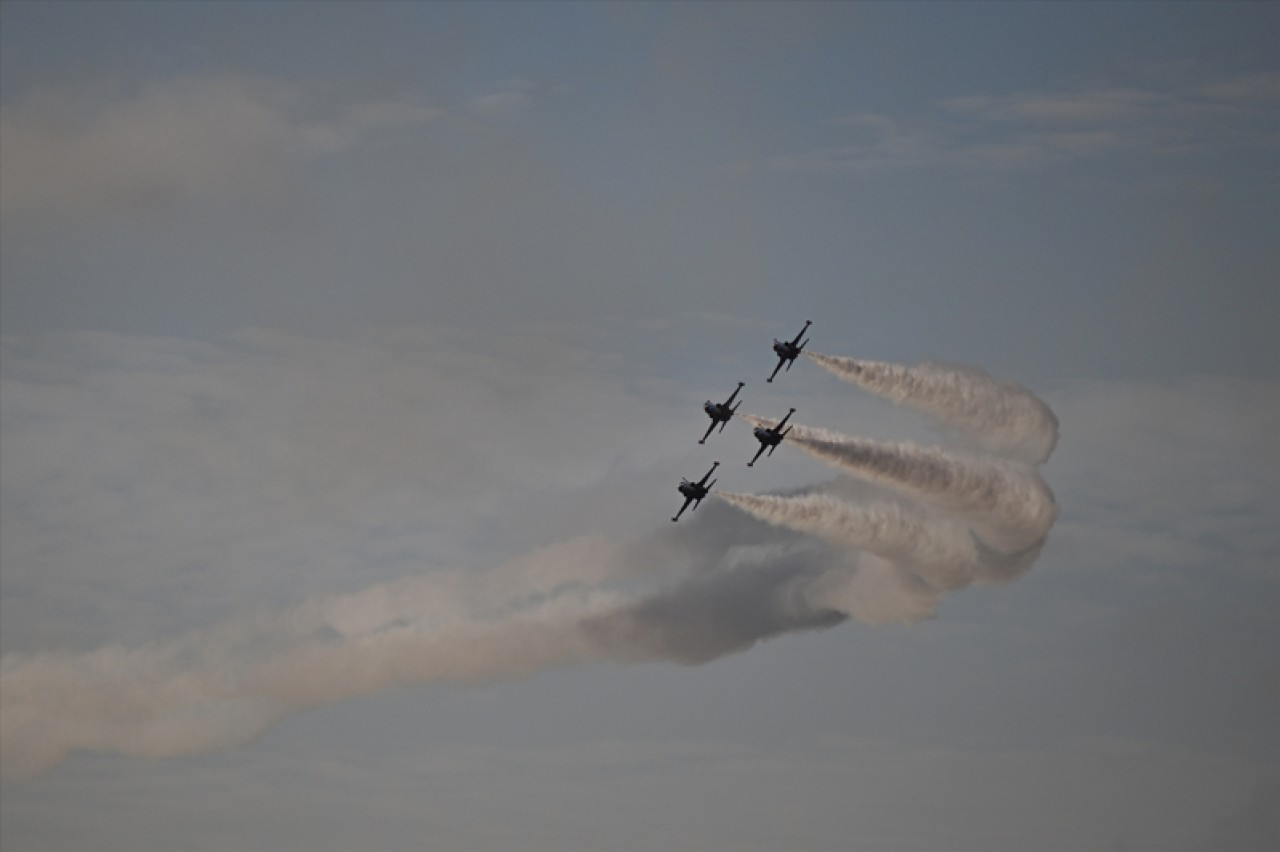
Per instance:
x=217, y=139
x=310, y=208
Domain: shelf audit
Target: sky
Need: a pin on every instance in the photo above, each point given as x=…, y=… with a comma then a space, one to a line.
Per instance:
x=351, y=354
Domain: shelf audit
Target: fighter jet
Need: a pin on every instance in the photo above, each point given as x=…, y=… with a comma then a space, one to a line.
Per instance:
x=694, y=491
x=787, y=350
x=770, y=438
x=720, y=412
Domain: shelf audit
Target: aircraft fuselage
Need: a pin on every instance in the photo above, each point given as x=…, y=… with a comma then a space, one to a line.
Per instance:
x=770, y=438
x=693, y=492
x=788, y=350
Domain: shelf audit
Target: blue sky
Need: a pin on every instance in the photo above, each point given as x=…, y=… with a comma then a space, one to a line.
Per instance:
x=351, y=350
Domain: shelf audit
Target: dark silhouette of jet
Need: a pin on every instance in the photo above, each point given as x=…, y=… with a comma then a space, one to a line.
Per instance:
x=787, y=350
x=694, y=491
x=770, y=438
x=720, y=412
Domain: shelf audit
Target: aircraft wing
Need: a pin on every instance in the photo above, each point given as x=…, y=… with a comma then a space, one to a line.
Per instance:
x=687, y=501
x=796, y=341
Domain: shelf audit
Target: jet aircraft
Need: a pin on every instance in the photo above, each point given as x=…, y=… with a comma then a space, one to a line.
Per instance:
x=694, y=491
x=720, y=412
x=770, y=438
x=787, y=350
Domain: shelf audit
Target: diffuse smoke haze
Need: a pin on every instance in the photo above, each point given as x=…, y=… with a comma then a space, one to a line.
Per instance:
x=742, y=570
x=224, y=687
x=743, y=582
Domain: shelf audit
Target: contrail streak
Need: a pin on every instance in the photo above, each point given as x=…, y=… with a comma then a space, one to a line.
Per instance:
x=1002, y=417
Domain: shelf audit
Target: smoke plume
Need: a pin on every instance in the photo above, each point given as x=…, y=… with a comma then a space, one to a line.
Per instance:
x=1001, y=417
x=742, y=582
x=949, y=518
x=1006, y=503
x=739, y=571
x=939, y=551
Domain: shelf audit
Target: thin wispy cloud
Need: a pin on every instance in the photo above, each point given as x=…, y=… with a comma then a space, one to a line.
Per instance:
x=1094, y=107
x=1040, y=130
x=511, y=99
x=1262, y=89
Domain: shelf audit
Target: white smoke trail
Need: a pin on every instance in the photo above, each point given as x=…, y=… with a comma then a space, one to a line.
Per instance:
x=940, y=551
x=150, y=702
x=223, y=688
x=1007, y=503
x=1002, y=417
x=561, y=606
x=145, y=702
